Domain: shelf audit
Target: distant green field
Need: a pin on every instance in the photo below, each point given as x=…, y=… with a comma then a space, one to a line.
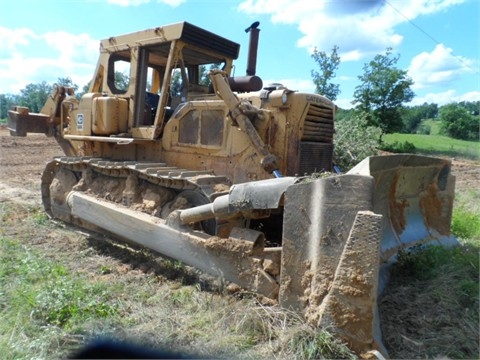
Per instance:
x=438, y=145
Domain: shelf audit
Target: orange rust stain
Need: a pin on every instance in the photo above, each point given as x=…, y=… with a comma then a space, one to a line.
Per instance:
x=397, y=208
x=431, y=206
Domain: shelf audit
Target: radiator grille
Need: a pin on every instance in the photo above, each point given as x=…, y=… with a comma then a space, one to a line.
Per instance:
x=318, y=125
x=316, y=146
x=315, y=157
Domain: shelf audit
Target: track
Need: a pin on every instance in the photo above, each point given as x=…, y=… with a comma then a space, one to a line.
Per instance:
x=153, y=188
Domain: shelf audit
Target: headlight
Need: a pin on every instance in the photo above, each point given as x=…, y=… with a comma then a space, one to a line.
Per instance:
x=284, y=98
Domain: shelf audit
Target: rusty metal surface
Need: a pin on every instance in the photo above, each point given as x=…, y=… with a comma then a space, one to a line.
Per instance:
x=415, y=194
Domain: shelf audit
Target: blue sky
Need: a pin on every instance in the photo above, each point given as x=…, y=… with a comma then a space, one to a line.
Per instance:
x=438, y=40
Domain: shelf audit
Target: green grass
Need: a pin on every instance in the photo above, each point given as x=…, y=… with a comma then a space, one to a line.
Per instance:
x=311, y=344
x=427, y=263
x=39, y=297
x=466, y=224
x=437, y=145
x=466, y=215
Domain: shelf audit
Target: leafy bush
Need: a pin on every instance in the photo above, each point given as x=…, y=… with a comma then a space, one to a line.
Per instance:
x=354, y=141
x=399, y=147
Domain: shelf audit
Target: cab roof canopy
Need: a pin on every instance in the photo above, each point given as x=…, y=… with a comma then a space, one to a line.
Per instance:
x=201, y=46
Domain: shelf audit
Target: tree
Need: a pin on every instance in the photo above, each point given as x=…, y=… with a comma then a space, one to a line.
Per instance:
x=382, y=92
x=328, y=65
x=458, y=122
x=67, y=82
x=473, y=107
x=6, y=102
x=34, y=96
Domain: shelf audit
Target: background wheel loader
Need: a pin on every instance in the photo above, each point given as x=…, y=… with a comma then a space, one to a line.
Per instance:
x=223, y=176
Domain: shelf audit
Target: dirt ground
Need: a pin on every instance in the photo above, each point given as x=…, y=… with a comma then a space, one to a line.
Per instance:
x=22, y=160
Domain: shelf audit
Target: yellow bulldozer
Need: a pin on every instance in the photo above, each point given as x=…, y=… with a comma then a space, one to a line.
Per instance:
x=235, y=178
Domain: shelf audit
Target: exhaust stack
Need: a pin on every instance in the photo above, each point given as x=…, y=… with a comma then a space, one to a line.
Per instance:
x=249, y=82
x=252, y=48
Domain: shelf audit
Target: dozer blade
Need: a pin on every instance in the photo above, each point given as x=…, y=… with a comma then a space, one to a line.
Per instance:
x=341, y=232
x=415, y=196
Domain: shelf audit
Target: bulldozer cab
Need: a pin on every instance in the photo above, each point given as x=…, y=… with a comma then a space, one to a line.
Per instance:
x=161, y=68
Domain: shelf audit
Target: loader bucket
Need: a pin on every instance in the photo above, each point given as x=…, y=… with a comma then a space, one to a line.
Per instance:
x=415, y=196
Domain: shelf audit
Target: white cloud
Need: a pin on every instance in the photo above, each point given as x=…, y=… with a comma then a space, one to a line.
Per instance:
x=413, y=8
x=10, y=39
x=470, y=96
x=50, y=56
x=282, y=11
x=79, y=47
x=360, y=28
x=172, y=3
x=440, y=67
x=445, y=97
